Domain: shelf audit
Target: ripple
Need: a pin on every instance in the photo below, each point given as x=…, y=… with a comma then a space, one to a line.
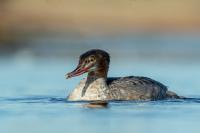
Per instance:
x=55, y=99
x=32, y=99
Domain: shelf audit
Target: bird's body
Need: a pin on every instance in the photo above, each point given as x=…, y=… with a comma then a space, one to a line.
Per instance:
x=98, y=87
x=124, y=88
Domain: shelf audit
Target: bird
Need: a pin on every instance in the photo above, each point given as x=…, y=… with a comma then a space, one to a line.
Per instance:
x=98, y=87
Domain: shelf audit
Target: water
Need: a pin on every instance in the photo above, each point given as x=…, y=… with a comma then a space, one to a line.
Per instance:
x=50, y=114
x=33, y=98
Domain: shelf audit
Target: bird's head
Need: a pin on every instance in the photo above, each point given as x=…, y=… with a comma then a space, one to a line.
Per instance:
x=94, y=61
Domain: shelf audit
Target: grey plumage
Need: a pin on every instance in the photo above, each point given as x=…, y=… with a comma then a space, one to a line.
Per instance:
x=121, y=88
x=137, y=88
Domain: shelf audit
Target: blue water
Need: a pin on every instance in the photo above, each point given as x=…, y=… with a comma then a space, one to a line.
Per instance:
x=33, y=89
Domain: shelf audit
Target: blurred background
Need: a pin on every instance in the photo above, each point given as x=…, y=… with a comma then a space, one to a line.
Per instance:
x=41, y=40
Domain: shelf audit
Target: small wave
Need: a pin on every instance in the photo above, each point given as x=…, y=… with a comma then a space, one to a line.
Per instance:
x=33, y=99
x=55, y=99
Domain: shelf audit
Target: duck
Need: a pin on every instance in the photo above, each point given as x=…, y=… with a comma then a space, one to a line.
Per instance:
x=98, y=87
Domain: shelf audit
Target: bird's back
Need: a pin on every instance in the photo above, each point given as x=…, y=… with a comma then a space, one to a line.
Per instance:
x=136, y=88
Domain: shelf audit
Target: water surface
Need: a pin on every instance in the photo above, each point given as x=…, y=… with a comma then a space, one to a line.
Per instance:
x=34, y=89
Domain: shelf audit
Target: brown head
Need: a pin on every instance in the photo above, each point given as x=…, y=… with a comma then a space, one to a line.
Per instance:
x=95, y=62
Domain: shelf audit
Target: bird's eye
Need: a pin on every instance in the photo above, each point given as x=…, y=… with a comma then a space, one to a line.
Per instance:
x=92, y=59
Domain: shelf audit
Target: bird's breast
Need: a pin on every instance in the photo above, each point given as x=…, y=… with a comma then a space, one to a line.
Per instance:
x=94, y=91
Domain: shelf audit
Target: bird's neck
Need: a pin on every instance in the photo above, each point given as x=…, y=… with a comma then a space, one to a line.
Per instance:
x=100, y=75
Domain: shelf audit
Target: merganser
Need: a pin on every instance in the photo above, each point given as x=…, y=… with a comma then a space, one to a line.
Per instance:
x=97, y=87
